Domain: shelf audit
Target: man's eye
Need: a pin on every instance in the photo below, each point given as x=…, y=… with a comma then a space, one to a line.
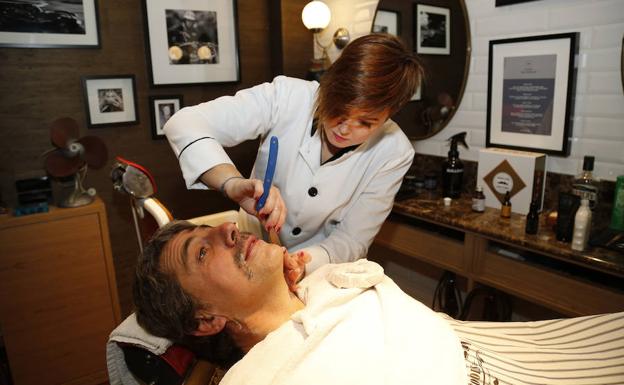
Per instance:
x=365, y=124
x=202, y=253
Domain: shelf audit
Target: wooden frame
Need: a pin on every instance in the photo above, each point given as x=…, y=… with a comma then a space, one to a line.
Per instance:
x=161, y=109
x=387, y=21
x=531, y=86
x=35, y=24
x=432, y=33
x=110, y=100
x=191, y=41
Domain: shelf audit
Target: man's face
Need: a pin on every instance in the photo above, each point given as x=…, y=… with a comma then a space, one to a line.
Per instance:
x=355, y=128
x=224, y=268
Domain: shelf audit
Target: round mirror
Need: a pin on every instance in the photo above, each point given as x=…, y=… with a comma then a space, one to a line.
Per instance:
x=439, y=33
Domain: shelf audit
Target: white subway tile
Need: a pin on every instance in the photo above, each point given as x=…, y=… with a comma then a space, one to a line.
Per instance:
x=603, y=150
x=607, y=36
x=477, y=83
x=604, y=128
x=586, y=14
x=605, y=105
x=605, y=83
x=513, y=23
x=603, y=59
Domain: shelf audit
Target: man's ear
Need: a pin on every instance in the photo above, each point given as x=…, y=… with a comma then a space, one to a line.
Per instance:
x=208, y=324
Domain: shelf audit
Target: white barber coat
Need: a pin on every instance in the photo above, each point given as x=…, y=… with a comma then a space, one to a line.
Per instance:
x=335, y=209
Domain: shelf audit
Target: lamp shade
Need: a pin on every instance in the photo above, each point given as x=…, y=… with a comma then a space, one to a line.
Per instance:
x=316, y=15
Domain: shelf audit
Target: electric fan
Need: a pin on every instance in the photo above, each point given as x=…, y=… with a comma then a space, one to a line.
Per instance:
x=72, y=156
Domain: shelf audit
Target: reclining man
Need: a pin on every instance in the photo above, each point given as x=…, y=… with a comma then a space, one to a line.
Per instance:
x=225, y=292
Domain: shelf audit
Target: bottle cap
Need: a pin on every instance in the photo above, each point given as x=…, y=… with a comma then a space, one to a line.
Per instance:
x=588, y=163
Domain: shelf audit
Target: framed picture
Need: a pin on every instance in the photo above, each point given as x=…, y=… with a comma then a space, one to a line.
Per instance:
x=49, y=24
x=531, y=85
x=161, y=109
x=387, y=21
x=110, y=100
x=433, y=30
x=191, y=41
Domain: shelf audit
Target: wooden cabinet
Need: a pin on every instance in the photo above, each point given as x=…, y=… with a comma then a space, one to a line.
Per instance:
x=58, y=298
x=532, y=275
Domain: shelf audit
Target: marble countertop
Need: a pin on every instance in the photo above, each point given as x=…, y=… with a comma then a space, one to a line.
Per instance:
x=429, y=206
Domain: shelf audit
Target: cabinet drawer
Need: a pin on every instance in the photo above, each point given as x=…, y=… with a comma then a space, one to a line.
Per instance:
x=430, y=247
x=546, y=286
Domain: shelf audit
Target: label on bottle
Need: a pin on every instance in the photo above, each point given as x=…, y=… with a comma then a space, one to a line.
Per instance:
x=478, y=205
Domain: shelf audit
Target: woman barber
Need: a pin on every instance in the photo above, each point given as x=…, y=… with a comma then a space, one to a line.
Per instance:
x=341, y=160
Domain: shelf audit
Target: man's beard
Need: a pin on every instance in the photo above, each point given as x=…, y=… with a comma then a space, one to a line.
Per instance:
x=239, y=255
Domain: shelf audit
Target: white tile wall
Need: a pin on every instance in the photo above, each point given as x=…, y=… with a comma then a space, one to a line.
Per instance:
x=599, y=105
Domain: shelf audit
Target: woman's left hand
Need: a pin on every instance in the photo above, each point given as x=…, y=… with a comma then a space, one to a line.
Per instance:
x=294, y=268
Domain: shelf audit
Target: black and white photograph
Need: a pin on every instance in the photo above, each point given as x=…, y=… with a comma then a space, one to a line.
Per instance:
x=48, y=24
x=531, y=83
x=161, y=109
x=387, y=21
x=191, y=41
x=192, y=36
x=433, y=35
x=110, y=100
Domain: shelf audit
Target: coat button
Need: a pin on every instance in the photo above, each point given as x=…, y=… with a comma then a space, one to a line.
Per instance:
x=312, y=191
x=296, y=231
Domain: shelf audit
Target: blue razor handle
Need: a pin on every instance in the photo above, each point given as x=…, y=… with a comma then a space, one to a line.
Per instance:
x=270, y=170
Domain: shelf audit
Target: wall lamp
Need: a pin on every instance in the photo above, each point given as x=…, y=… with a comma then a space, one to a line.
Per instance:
x=316, y=16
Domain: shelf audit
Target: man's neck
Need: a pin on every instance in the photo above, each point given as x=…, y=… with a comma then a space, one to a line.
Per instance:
x=256, y=326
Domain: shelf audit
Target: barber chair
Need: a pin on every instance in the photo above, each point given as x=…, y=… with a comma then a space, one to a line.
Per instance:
x=135, y=357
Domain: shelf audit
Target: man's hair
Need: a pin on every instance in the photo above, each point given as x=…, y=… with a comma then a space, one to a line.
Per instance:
x=164, y=309
x=374, y=72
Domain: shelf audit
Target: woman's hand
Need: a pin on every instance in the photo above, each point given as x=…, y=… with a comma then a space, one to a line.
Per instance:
x=294, y=268
x=246, y=193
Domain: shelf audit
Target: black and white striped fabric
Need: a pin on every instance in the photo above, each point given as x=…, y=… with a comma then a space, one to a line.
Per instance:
x=574, y=351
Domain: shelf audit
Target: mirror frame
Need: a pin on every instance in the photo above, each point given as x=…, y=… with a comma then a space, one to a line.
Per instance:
x=409, y=130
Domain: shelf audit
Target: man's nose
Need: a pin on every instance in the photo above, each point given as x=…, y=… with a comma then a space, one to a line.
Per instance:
x=230, y=233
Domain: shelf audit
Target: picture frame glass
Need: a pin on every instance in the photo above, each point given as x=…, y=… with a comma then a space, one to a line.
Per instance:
x=162, y=109
x=386, y=22
x=110, y=101
x=530, y=92
x=433, y=30
x=192, y=41
x=49, y=24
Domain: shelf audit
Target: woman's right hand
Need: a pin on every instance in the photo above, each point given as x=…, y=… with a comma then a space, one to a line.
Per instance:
x=246, y=193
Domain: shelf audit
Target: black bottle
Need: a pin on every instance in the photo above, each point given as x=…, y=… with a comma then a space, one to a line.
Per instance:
x=453, y=169
x=532, y=219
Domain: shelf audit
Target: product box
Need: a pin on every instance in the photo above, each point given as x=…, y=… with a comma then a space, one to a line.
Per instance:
x=520, y=172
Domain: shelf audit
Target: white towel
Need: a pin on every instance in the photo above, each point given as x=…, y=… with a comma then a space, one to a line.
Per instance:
x=130, y=332
x=355, y=335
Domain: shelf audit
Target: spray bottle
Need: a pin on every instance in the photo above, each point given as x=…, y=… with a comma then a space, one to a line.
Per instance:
x=453, y=169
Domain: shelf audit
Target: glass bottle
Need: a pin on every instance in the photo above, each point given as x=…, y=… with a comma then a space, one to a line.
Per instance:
x=532, y=219
x=506, y=207
x=478, y=200
x=585, y=186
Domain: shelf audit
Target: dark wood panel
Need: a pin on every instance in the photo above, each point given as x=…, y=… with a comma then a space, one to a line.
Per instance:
x=39, y=85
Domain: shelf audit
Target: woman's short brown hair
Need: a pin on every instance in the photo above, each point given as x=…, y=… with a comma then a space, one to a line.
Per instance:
x=374, y=72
